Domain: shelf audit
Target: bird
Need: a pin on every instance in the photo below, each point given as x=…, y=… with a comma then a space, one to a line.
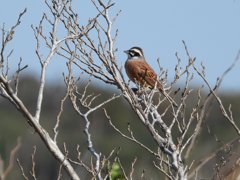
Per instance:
x=141, y=73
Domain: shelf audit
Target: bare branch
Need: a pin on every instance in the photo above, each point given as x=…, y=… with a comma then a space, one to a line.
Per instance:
x=22, y=170
x=32, y=172
x=6, y=172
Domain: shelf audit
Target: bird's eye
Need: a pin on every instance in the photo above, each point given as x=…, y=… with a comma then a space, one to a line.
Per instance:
x=137, y=54
x=134, y=54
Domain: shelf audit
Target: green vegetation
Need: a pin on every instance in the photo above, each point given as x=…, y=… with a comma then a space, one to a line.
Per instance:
x=104, y=137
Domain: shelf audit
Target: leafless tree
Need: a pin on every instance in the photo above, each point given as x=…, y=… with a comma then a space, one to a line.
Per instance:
x=91, y=49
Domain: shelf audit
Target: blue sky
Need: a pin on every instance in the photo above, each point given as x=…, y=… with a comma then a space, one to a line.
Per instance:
x=211, y=30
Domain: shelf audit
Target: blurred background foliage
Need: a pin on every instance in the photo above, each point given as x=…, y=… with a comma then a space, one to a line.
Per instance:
x=215, y=133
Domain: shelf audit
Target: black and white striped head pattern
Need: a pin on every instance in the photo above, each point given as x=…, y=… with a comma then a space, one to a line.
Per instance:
x=134, y=53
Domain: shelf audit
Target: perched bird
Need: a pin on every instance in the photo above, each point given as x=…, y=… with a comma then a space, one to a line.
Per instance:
x=141, y=73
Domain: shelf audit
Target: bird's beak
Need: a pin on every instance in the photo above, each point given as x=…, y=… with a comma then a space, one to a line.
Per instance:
x=126, y=51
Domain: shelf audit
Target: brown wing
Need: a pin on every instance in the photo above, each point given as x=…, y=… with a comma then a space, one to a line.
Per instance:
x=148, y=75
x=139, y=71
